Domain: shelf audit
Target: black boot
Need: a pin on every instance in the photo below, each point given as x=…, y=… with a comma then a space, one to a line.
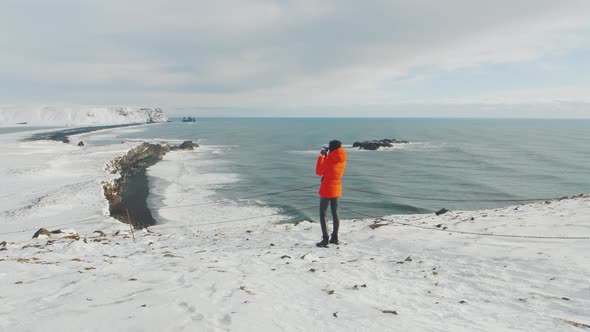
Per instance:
x=334, y=239
x=323, y=243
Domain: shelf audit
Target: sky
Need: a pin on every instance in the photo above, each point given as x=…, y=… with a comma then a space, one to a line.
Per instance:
x=466, y=58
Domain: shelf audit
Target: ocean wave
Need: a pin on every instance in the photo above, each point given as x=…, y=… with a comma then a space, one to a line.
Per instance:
x=185, y=191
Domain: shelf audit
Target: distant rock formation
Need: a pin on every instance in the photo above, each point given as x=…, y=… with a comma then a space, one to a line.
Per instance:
x=81, y=144
x=376, y=144
x=130, y=190
x=189, y=119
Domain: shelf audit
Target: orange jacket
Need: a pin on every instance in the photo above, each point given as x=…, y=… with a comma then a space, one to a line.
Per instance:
x=331, y=169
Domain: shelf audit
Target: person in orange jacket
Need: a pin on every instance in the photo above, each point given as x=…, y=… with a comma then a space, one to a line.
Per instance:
x=330, y=166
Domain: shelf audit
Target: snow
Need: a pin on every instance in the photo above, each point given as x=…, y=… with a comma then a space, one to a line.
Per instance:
x=78, y=115
x=264, y=276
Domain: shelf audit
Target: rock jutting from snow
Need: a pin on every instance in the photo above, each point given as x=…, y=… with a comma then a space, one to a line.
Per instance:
x=41, y=232
x=376, y=144
x=81, y=144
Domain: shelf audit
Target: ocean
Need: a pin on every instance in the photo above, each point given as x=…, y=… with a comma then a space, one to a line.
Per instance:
x=472, y=161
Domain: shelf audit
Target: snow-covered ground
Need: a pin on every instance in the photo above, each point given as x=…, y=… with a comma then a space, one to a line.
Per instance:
x=259, y=276
x=75, y=115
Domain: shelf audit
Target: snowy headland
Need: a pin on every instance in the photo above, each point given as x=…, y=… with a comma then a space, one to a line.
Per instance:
x=517, y=268
x=78, y=115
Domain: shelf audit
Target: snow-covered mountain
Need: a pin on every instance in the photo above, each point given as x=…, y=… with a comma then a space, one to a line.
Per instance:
x=79, y=115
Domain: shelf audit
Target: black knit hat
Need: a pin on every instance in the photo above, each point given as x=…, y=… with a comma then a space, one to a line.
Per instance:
x=335, y=144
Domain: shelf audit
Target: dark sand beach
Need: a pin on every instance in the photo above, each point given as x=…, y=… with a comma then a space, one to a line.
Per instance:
x=63, y=135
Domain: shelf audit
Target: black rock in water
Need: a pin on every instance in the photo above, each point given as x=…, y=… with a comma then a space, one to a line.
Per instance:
x=441, y=211
x=376, y=144
x=189, y=119
x=188, y=145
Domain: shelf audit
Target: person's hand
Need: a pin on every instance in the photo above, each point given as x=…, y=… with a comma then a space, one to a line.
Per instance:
x=324, y=152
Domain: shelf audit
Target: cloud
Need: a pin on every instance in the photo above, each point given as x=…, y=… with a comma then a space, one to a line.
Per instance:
x=265, y=53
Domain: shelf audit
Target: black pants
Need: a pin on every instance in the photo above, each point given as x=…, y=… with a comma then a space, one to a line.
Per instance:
x=323, y=208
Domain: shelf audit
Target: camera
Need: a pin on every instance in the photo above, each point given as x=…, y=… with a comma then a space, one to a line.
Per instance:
x=325, y=151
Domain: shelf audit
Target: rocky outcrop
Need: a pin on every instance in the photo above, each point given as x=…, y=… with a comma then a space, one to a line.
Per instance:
x=376, y=144
x=41, y=232
x=186, y=145
x=189, y=119
x=130, y=190
x=67, y=233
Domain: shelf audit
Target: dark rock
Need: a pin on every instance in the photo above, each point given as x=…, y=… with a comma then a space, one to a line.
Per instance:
x=80, y=144
x=439, y=226
x=408, y=259
x=375, y=226
x=72, y=237
x=463, y=302
x=441, y=211
x=376, y=144
x=335, y=314
x=576, y=324
x=393, y=312
x=285, y=256
x=188, y=145
x=41, y=231
x=188, y=119
x=3, y=244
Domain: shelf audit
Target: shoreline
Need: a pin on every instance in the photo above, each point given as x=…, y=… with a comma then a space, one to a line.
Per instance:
x=63, y=135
